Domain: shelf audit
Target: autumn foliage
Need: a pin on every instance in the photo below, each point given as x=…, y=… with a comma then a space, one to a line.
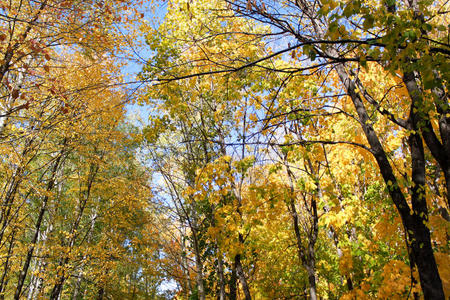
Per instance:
x=263, y=149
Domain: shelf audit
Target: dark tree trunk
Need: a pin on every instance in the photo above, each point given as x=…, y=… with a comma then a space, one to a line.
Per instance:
x=101, y=293
x=3, y=280
x=241, y=275
x=233, y=282
x=413, y=222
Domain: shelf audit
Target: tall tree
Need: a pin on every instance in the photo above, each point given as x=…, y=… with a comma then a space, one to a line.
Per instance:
x=345, y=40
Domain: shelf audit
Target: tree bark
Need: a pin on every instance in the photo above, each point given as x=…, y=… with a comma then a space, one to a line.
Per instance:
x=413, y=222
x=3, y=280
x=233, y=283
x=440, y=151
x=36, y=283
x=199, y=266
x=185, y=265
x=220, y=272
x=241, y=275
x=101, y=293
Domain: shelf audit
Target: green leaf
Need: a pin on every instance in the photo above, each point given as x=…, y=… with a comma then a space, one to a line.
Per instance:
x=312, y=54
x=368, y=21
x=348, y=10
x=442, y=28
x=363, y=62
x=427, y=27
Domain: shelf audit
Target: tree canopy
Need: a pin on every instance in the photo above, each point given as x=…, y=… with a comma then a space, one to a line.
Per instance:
x=294, y=149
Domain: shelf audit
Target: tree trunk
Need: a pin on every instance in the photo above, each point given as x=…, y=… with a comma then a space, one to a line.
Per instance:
x=80, y=273
x=220, y=272
x=101, y=293
x=198, y=258
x=312, y=282
x=36, y=284
x=233, y=283
x=57, y=288
x=4, y=280
x=199, y=265
x=76, y=288
x=241, y=275
x=440, y=151
x=51, y=183
x=306, y=256
x=185, y=267
x=418, y=232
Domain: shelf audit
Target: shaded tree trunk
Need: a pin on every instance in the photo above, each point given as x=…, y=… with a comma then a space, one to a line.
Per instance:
x=414, y=221
x=4, y=280
x=241, y=275
x=233, y=283
x=220, y=272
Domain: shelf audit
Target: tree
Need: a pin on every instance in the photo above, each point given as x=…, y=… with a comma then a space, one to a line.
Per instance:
x=291, y=149
x=345, y=43
x=60, y=115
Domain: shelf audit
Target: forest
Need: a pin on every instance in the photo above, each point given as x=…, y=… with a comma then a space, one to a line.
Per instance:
x=224, y=149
